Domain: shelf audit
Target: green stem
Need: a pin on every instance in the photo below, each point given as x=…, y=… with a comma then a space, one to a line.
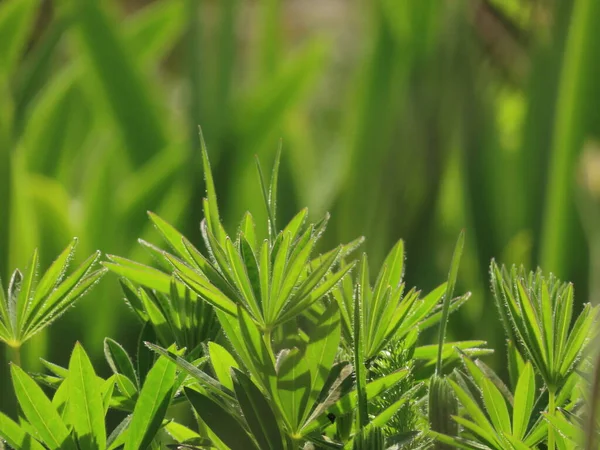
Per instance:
x=551, y=411
x=14, y=354
x=452, y=274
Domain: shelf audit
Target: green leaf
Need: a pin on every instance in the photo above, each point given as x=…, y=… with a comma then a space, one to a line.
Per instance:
x=496, y=406
x=16, y=20
x=223, y=424
x=209, y=293
x=298, y=304
x=139, y=273
x=295, y=266
x=39, y=412
x=153, y=30
x=273, y=188
x=173, y=237
x=562, y=321
x=349, y=401
x=472, y=409
x=547, y=323
x=119, y=435
x=452, y=275
x=53, y=275
x=86, y=408
x=258, y=413
x=152, y=404
x=119, y=360
x=208, y=383
x=458, y=442
x=324, y=340
x=16, y=437
x=261, y=358
x=361, y=298
x=293, y=385
x=579, y=334
x=222, y=363
x=211, y=212
x=277, y=276
x=121, y=82
x=25, y=293
x=242, y=279
x=523, y=401
x=144, y=356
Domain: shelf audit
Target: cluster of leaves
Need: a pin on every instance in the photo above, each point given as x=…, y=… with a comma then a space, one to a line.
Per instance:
x=548, y=361
x=274, y=347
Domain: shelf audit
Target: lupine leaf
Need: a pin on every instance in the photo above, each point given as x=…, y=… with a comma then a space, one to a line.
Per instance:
x=293, y=386
x=40, y=413
x=222, y=363
x=15, y=436
x=119, y=360
x=152, y=405
x=496, y=406
x=86, y=408
x=523, y=401
x=223, y=424
x=321, y=350
x=258, y=413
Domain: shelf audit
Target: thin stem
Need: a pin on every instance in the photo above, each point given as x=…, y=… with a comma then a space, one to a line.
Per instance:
x=452, y=274
x=551, y=411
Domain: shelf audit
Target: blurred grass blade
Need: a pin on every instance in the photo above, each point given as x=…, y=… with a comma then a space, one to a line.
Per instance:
x=120, y=79
x=16, y=19
x=571, y=127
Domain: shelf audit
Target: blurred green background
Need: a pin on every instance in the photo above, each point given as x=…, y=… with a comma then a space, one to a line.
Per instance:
x=404, y=118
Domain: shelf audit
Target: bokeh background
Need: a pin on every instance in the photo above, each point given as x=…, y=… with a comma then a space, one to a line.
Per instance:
x=404, y=118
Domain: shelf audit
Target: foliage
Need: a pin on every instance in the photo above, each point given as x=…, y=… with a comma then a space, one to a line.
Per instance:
x=31, y=302
x=274, y=347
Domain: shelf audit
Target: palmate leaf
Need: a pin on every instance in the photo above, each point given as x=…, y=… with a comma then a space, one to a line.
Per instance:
x=270, y=285
x=390, y=313
x=31, y=305
x=494, y=417
x=536, y=313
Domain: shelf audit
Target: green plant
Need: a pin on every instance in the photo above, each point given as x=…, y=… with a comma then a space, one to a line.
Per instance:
x=274, y=347
x=536, y=313
x=31, y=302
x=75, y=416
